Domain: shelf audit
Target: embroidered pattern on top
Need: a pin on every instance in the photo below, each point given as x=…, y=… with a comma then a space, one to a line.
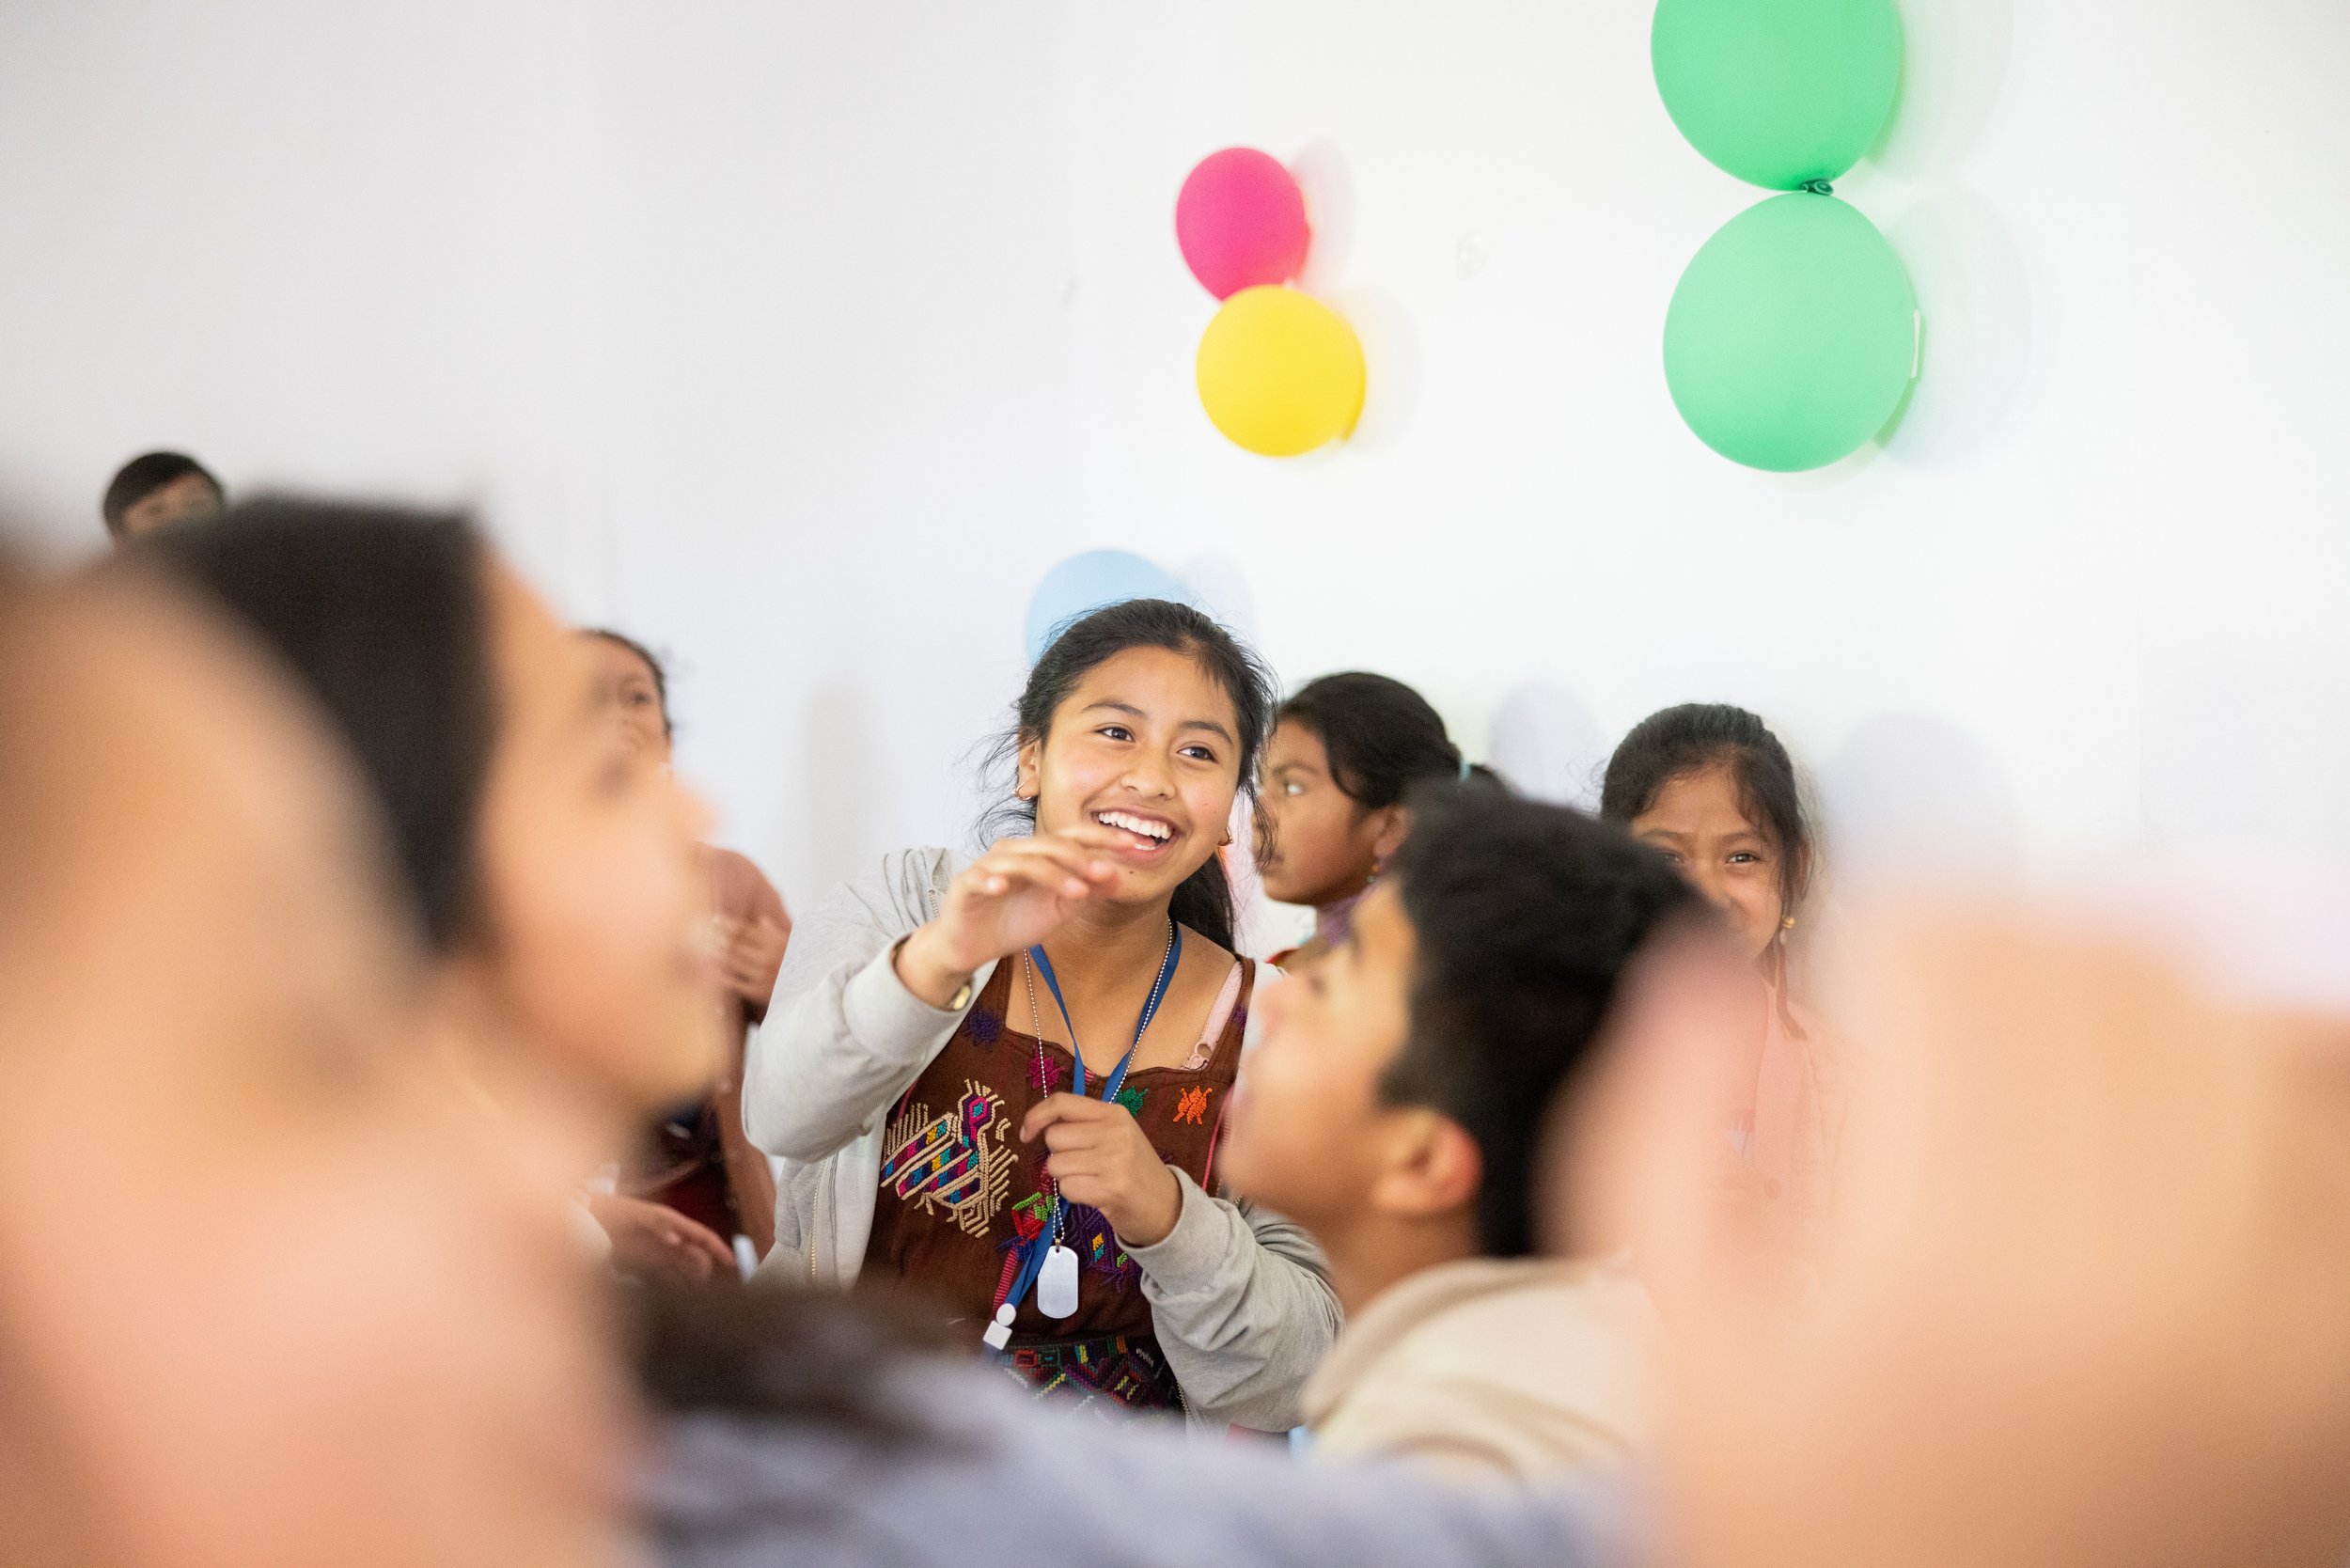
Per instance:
x=1107, y=1375
x=956, y=1160
x=1097, y=1249
x=1192, y=1107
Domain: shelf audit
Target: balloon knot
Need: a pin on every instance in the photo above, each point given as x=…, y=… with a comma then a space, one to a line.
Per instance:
x=1819, y=187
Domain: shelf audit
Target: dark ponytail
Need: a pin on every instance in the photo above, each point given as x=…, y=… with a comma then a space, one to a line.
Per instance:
x=1696, y=735
x=1204, y=901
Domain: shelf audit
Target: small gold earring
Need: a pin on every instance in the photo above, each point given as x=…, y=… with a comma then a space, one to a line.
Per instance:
x=1787, y=923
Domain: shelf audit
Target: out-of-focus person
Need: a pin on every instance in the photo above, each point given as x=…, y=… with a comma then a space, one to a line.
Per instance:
x=310, y=1305
x=698, y=1161
x=155, y=490
x=2079, y=1303
x=552, y=863
x=1344, y=752
x=1397, y=1109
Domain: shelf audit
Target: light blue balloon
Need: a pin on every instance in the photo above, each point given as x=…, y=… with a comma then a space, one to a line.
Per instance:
x=1083, y=583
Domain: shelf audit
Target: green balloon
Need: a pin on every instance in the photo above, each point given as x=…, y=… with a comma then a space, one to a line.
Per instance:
x=1778, y=92
x=1793, y=335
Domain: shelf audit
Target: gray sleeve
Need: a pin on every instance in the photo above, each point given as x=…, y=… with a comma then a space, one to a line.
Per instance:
x=1242, y=1303
x=996, y=1479
x=844, y=1036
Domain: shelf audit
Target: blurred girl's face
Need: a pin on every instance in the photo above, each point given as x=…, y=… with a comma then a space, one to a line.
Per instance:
x=1700, y=822
x=594, y=909
x=1146, y=745
x=1315, y=843
x=626, y=682
x=301, y=1303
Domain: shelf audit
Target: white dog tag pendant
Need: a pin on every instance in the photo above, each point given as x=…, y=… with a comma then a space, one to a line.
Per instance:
x=1057, y=1284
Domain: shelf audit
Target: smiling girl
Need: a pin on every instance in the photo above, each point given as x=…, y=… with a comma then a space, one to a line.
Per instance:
x=1000, y=1081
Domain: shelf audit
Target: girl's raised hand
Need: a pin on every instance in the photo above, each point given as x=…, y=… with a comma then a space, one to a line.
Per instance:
x=1016, y=894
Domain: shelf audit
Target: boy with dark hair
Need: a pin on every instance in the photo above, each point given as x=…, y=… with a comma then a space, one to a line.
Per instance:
x=155, y=490
x=1397, y=1107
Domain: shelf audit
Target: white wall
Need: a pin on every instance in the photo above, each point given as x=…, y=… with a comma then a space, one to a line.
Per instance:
x=801, y=339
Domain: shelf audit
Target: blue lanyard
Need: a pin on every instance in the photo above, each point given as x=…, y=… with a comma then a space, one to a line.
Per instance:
x=1042, y=1242
x=1150, y=1010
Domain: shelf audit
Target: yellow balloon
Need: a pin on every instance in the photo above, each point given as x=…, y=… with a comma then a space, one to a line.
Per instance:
x=1280, y=372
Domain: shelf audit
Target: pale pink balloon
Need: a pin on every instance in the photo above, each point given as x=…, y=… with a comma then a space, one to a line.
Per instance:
x=1241, y=220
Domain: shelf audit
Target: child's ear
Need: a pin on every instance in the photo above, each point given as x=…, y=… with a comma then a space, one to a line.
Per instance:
x=1432, y=1166
x=1026, y=759
x=1393, y=824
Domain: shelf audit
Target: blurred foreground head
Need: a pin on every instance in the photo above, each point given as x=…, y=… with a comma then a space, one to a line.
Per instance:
x=270, y=1290
x=551, y=863
x=2081, y=1299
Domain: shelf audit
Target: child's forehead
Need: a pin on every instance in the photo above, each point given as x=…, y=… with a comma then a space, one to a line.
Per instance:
x=1710, y=795
x=1160, y=683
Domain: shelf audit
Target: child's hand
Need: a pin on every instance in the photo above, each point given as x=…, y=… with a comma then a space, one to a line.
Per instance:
x=754, y=954
x=1015, y=895
x=1101, y=1158
x=653, y=1240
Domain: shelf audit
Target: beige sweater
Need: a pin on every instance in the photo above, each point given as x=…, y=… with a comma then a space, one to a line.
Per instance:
x=1520, y=1369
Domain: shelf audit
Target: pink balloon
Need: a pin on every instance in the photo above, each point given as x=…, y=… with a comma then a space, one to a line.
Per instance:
x=1241, y=220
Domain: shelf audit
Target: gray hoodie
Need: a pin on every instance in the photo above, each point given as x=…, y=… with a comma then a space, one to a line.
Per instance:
x=1240, y=1298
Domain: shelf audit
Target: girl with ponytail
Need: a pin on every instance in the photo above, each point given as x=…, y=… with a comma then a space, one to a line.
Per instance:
x=999, y=1081
x=1345, y=752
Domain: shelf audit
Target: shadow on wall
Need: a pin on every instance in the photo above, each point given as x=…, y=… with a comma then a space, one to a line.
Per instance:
x=838, y=786
x=1545, y=743
x=1390, y=341
x=1321, y=172
x=2248, y=757
x=1976, y=297
x=1973, y=287
x=1954, y=57
x=1220, y=588
x=1911, y=798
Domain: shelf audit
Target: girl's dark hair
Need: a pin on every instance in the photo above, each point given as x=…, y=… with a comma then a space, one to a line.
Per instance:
x=1525, y=917
x=1204, y=901
x=383, y=615
x=1382, y=736
x=660, y=676
x=1678, y=741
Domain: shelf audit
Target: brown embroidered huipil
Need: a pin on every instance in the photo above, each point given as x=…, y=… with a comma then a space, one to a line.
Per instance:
x=959, y=1192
